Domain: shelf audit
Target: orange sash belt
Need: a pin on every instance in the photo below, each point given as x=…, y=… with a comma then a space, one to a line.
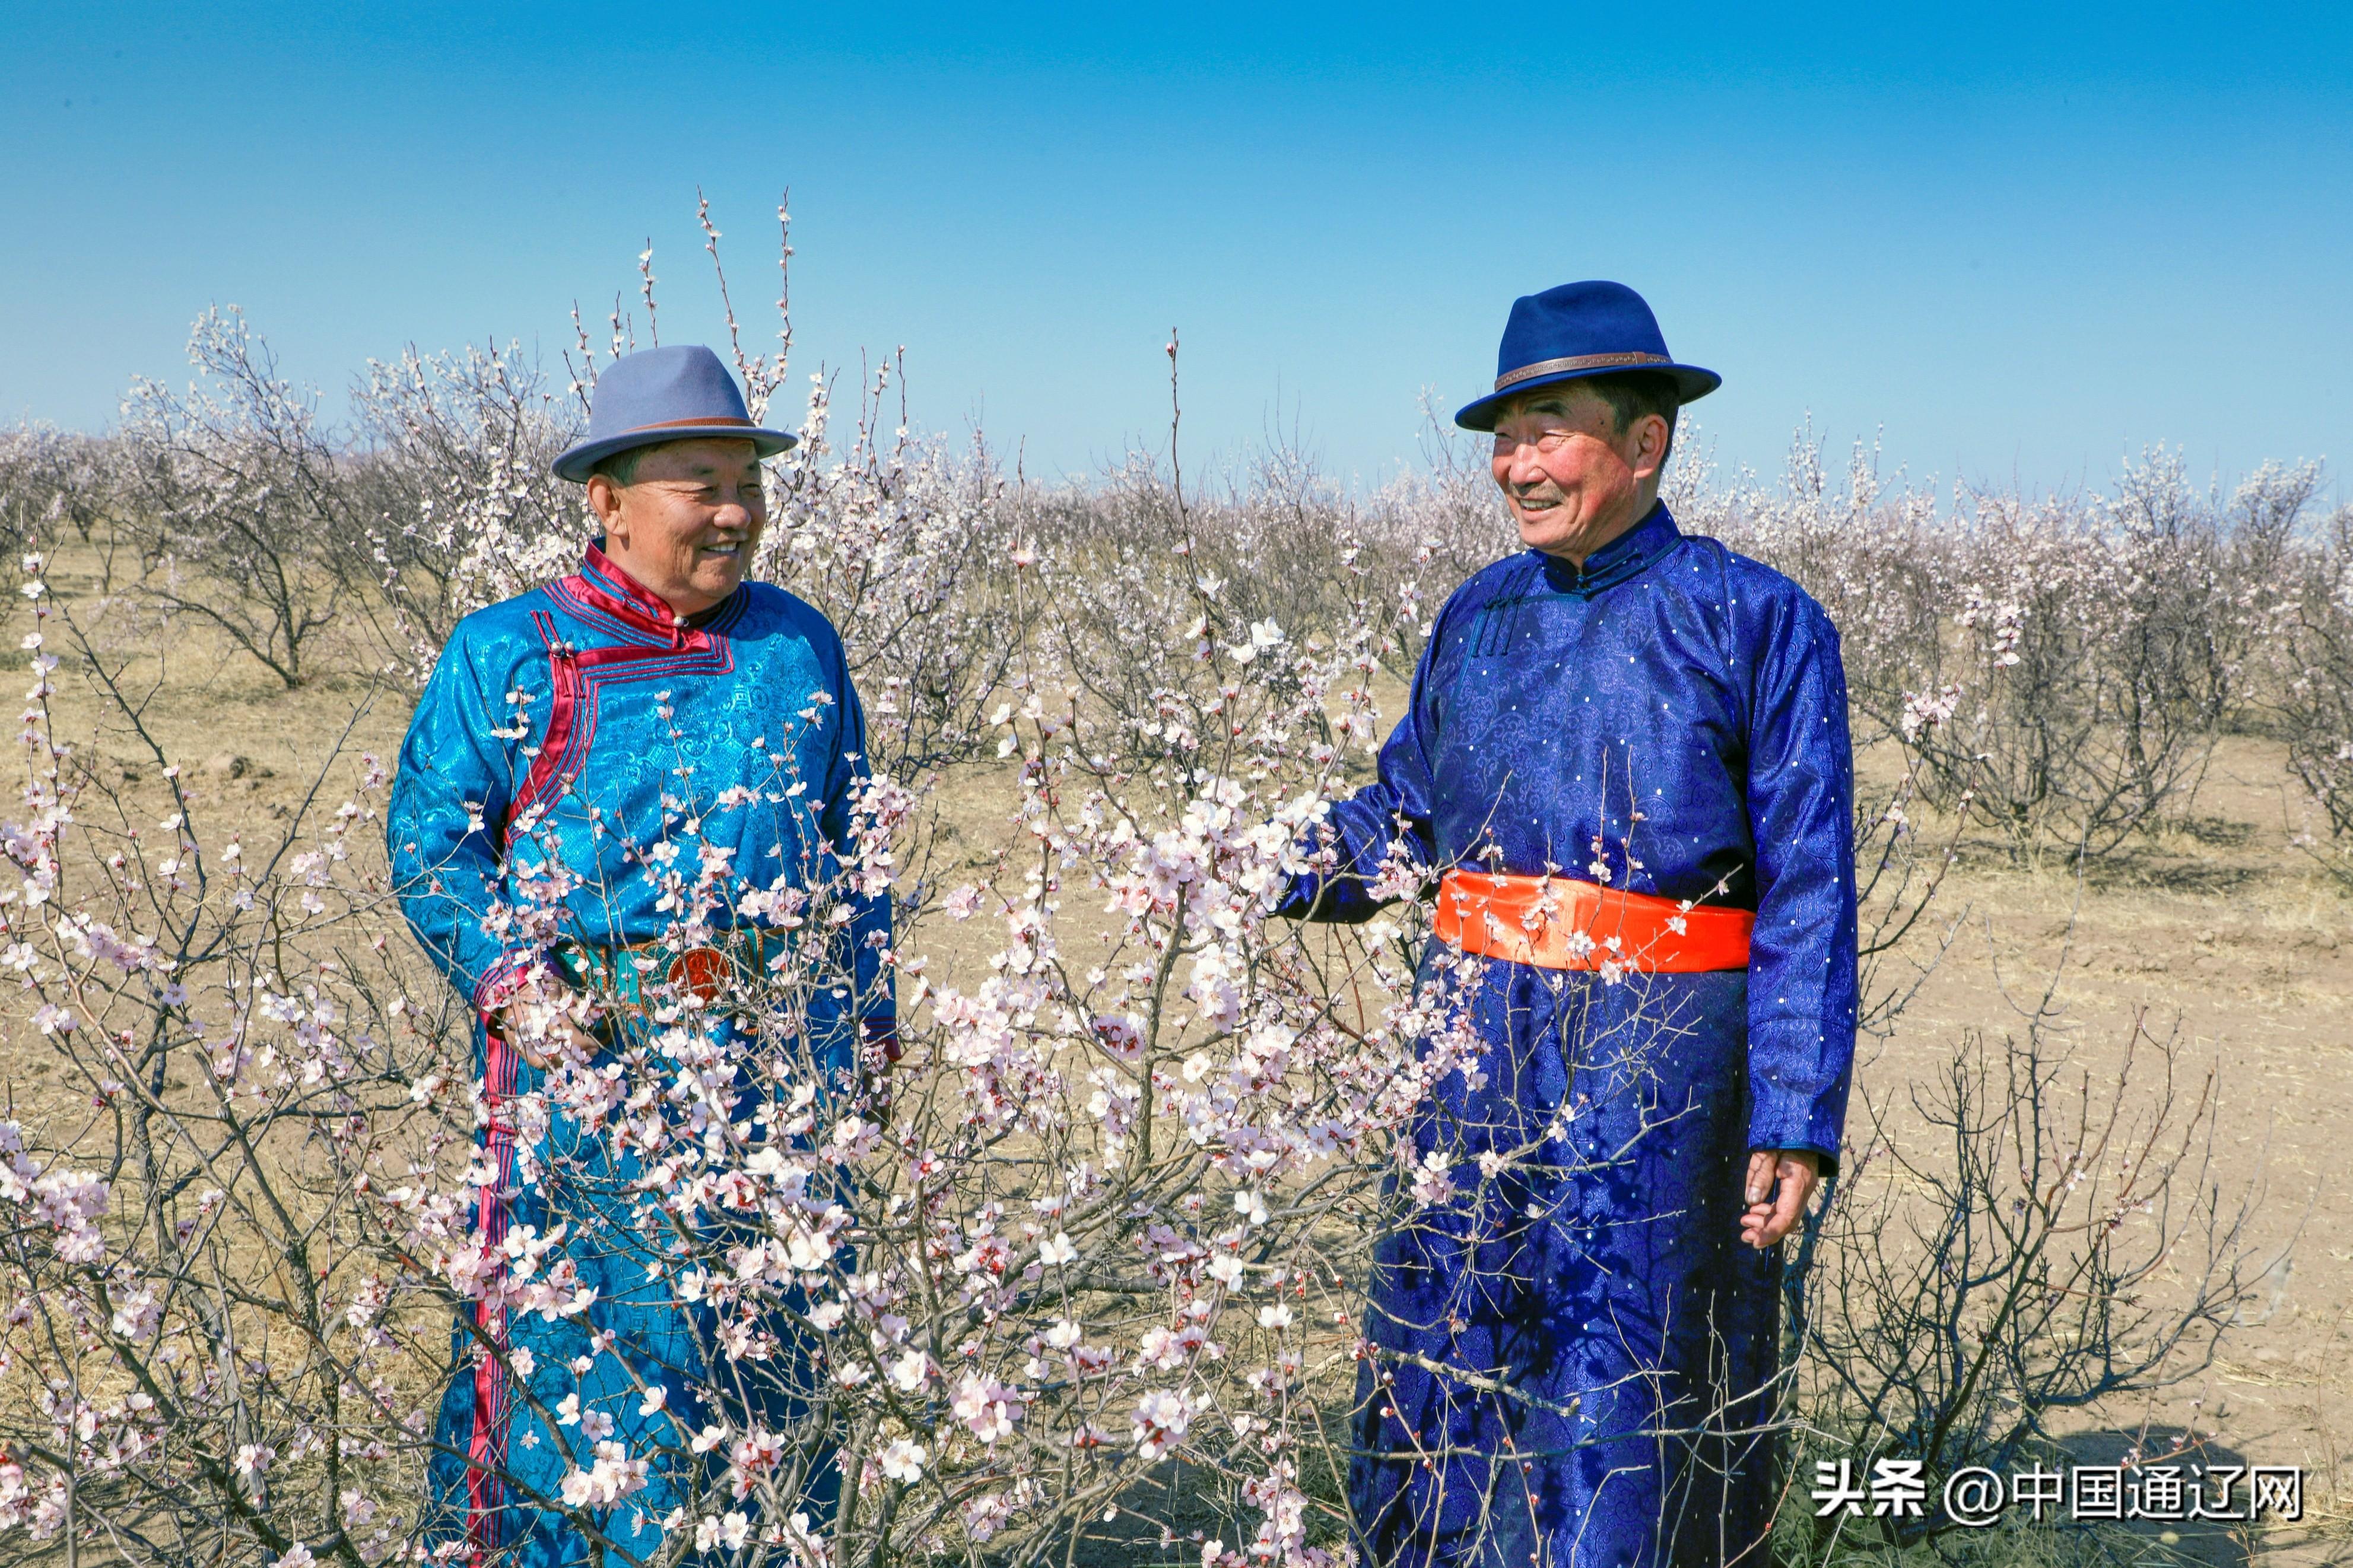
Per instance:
x=1555, y=922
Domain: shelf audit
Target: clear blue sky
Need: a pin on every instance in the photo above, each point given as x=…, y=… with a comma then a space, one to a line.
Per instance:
x=2024, y=239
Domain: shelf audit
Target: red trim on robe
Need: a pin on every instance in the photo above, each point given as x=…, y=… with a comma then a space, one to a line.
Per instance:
x=486, y=1446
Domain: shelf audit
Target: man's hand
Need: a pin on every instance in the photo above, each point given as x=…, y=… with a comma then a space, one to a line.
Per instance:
x=880, y=1049
x=547, y=1022
x=1779, y=1183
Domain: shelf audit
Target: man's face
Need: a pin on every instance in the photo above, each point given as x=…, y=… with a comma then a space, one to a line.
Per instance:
x=686, y=523
x=1573, y=483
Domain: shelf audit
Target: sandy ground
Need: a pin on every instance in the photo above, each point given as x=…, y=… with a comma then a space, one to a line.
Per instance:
x=2217, y=926
x=2223, y=931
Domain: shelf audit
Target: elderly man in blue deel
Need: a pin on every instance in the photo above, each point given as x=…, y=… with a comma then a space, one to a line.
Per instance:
x=1625, y=759
x=650, y=710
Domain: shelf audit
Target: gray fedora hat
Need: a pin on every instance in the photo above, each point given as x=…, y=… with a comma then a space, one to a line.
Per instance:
x=679, y=393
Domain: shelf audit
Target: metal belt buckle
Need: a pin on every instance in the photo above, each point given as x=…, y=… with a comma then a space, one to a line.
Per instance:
x=704, y=970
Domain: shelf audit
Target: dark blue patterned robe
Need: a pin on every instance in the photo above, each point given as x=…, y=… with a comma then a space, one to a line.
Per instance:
x=1671, y=720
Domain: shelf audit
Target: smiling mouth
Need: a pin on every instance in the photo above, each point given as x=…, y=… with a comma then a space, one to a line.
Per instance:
x=725, y=550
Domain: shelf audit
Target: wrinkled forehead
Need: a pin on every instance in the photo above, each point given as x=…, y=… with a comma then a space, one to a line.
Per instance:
x=698, y=458
x=1569, y=401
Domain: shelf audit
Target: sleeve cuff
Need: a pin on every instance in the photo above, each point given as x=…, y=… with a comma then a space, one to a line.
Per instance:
x=1328, y=898
x=1790, y=1121
x=1298, y=895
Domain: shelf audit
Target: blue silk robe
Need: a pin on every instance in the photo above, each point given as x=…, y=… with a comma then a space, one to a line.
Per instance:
x=542, y=740
x=1671, y=720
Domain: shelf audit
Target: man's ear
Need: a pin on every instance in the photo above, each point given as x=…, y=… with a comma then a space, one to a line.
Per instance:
x=605, y=500
x=1651, y=435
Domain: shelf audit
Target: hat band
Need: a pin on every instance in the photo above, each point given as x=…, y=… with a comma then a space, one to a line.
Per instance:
x=1577, y=361
x=682, y=424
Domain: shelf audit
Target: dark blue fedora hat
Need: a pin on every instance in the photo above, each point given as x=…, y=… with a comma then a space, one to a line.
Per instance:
x=1576, y=331
x=678, y=393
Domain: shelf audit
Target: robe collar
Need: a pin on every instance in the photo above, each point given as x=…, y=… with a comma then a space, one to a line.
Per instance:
x=1622, y=557
x=603, y=584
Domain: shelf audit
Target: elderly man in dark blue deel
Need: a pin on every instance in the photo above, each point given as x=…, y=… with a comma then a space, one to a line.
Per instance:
x=1625, y=761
